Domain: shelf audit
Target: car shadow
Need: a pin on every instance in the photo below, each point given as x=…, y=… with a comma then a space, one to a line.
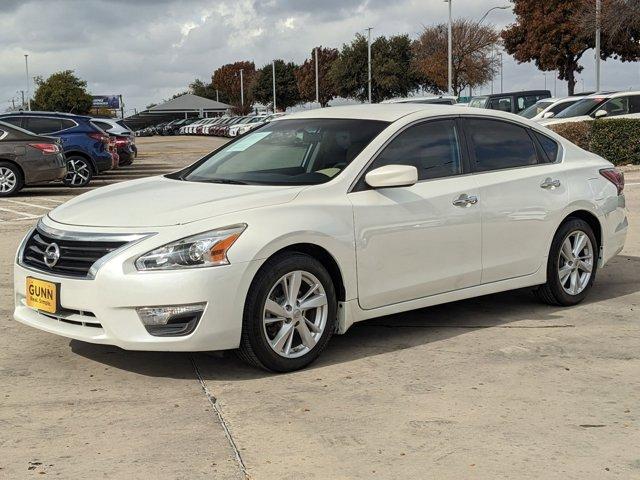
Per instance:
x=381, y=335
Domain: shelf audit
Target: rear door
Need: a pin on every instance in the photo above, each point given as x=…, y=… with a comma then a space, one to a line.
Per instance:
x=522, y=194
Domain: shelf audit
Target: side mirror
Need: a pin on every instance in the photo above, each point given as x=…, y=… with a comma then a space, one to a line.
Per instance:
x=600, y=114
x=392, y=176
x=548, y=115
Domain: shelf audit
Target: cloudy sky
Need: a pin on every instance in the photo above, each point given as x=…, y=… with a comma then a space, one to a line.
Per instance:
x=148, y=50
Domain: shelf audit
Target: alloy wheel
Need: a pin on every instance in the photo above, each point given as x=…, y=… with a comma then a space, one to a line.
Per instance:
x=8, y=180
x=575, y=262
x=78, y=173
x=295, y=314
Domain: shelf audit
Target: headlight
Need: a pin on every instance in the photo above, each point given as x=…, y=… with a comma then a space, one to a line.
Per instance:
x=206, y=249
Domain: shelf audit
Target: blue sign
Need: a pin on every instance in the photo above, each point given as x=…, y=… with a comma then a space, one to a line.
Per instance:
x=106, y=101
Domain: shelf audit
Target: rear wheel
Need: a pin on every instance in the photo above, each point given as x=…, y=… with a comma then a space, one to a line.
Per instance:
x=289, y=314
x=11, y=180
x=79, y=172
x=571, y=266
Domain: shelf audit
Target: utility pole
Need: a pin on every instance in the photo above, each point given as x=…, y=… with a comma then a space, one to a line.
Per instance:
x=369, y=60
x=545, y=79
x=493, y=59
x=598, y=6
x=273, y=69
x=555, y=89
x=22, y=93
x=13, y=104
x=217, y=96
x=317, y=87
x=450, y=53
x=241, y=88
x=26, y=66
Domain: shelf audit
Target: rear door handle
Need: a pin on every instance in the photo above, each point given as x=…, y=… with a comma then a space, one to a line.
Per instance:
x=465, y=200
x=550, y=183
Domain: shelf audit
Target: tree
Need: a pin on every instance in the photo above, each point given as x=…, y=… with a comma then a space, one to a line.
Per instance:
x=391, y=73
x=61, y=92
x=553, y=35
x=206, y=90
x=226, y=80
x=306, y=76
x=473, y=62
x=287, y=94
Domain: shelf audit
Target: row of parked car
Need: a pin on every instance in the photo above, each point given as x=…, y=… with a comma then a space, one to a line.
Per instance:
x=37, y=147
x=224, y=126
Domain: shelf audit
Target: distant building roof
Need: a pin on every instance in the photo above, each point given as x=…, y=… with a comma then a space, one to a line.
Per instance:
x=189, y=102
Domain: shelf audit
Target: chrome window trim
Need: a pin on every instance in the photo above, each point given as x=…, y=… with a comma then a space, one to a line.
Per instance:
x=3, y=134
x=130, y=239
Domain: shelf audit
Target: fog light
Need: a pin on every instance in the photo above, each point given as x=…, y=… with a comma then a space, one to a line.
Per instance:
x=174, y=320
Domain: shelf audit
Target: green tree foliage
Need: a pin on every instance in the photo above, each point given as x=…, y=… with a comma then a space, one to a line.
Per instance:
x=553, y=34
x=61, y=92
x=287, y=94
x=206, y=90
x=392, y=75
x=306, y=76
x=473, y=62
x=226, y=80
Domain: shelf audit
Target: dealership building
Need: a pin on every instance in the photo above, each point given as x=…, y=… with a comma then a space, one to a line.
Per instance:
x=184, y=106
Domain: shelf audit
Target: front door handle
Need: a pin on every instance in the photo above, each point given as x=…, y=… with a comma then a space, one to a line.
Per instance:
x=550, y=183
x=465, y=200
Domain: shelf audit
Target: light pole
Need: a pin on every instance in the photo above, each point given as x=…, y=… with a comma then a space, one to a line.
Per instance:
x=369, y=60
x=501, y=73
x=449, y=52
x=598, y=2
x=317, y=88
x=273, y=70
x=241, y=88
x=26, y=67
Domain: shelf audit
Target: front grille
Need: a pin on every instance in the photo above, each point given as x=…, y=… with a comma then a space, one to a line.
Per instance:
x=76, y=257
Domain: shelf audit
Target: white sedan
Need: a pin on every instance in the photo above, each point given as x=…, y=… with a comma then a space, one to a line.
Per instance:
x=289, y=234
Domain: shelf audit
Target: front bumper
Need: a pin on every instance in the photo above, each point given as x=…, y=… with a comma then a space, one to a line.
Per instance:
x=103, y=310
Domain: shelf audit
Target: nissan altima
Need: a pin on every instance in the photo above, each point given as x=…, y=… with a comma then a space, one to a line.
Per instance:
x=291, y=233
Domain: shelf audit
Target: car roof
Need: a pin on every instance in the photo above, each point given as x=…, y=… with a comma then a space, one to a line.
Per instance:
x=47, y=114
x=613, y=94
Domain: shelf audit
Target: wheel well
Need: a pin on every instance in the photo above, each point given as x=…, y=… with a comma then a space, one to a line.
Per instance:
x=15, y=165
x=325, y=258
x=592, y=220
x=83, y=155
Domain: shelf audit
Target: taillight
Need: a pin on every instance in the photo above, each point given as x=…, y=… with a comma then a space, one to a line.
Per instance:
x=101, y=137
x=46, y=148
x=615, y=176
x=122, y=141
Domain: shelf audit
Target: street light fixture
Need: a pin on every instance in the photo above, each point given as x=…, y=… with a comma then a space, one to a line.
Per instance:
x=241, y=88
x=504, y=7
x=369, y=60
x=26, y=66
x=598, y=6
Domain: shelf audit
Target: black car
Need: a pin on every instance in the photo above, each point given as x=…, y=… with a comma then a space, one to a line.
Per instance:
x=27, y=159
x=513, y=102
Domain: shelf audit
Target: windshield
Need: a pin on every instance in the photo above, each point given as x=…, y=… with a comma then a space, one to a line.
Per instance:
x=583, y=107
x=287, y=152
x=535, y=109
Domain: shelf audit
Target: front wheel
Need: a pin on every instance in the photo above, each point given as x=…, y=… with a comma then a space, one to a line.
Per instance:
x=571, y=266
x=79, y=172
x=289, y=314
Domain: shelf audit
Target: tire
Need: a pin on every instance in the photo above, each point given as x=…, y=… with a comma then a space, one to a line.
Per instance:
x=567, y=282
x=11, y=179
x=79, y=172
x=261, y=328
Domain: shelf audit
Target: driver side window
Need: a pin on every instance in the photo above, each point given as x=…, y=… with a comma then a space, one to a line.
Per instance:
x=431, y=147
x=616, y=106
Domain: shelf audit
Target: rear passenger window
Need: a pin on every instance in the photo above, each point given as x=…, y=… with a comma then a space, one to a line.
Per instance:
x=65, y=124
x=42, y=125
x=549, y=146
x=503, y=104
x=496, y=145
x=432, y=147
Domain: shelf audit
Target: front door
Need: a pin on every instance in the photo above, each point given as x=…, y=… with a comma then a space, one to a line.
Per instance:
x=417, y=241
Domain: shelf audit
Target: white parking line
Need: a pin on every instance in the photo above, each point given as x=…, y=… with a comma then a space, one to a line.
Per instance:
x=28, y=204
x=51, y=200
x=23, y=216
x=632, y=183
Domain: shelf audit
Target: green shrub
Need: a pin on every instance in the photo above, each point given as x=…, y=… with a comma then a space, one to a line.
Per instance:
x=616, y=139
x=576, y=132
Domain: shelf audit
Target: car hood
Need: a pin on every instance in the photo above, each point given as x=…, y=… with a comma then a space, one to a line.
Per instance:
x=556, y=121
x=160, y=201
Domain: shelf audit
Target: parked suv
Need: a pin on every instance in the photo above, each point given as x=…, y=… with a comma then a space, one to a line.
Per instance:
x=121, y=136
x=513, y=102
x=26, y=159
x=85, y=146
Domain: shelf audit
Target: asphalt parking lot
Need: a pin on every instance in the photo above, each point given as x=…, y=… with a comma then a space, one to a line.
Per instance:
x=498, y=387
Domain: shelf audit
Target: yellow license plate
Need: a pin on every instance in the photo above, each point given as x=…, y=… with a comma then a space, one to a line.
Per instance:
x=43, y=295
